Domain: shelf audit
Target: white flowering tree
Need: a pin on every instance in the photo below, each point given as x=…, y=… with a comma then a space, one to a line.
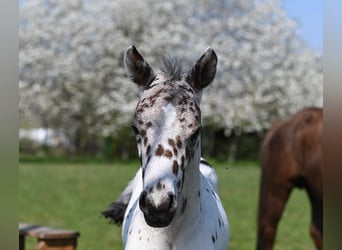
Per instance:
x=72, y=76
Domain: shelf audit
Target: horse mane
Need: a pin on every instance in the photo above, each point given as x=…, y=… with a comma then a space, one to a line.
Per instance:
x=172, y=67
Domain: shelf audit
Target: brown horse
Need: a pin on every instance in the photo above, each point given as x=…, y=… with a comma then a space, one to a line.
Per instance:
x=291, y=156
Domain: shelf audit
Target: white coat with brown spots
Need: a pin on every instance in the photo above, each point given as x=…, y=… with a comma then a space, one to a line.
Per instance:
x=173, y=202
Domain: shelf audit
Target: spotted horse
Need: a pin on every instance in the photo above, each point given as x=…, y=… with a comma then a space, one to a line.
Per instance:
x=172, y=203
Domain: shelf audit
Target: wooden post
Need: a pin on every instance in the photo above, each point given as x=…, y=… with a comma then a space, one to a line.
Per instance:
x=56, y=244
x=48, y=238
x=21, y=242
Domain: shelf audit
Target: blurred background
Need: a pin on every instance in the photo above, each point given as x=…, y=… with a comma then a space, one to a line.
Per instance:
x=76, y=145
x=75, y=99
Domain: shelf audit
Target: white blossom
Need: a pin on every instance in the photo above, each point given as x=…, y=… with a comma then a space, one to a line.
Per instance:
x=71, y=60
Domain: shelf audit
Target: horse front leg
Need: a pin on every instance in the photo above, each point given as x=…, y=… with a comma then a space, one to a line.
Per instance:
x=272, y=201
x=316, y=227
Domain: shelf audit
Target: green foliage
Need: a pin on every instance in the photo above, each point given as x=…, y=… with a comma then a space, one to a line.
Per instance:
x=72, y=195
x=122, y=145
x=220, y=146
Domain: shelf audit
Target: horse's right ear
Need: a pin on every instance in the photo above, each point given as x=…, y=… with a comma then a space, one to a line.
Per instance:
x=137, y=69
x=204, y=70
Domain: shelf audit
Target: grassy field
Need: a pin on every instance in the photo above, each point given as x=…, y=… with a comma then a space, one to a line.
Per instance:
x=73, y=195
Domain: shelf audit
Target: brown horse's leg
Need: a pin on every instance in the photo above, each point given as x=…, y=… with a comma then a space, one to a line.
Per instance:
x=271, y=205
x=316, y=227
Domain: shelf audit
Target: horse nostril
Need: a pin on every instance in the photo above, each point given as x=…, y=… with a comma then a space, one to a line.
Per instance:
x=171, y=201
x=142, y=200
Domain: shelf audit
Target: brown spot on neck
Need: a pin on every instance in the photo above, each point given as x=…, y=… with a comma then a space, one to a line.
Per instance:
x=175, y=167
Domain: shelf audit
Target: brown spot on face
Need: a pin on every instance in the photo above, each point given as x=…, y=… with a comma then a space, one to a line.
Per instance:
x=168, y=98
x=143, y=133
x=160, y=150
x=153, y=97
x=168, y=154
x=175, y=167
x=171, y=142
x=149, y=124
x=145, y=141
x=159, y=186
x=152, y=103
x=182, y=119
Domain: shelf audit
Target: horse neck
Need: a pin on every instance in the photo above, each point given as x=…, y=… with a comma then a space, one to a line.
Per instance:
x=191, y=187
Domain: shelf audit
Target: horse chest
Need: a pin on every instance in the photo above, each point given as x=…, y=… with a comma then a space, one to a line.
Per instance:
x=205, y=230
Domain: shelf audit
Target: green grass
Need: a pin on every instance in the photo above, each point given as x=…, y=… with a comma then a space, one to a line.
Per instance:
x=71, y=195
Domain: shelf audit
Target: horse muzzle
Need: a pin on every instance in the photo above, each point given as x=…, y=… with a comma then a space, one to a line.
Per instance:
x=159, y=215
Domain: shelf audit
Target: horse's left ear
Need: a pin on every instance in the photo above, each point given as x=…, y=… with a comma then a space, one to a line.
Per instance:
x=137, y=69
x=204, y=70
